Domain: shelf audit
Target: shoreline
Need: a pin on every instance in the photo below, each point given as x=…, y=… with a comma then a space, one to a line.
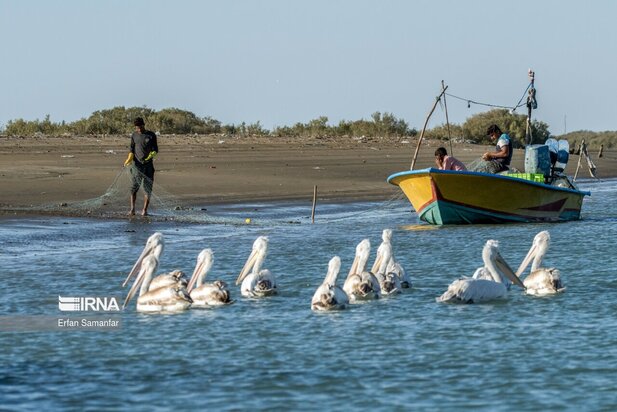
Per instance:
x=40, y=174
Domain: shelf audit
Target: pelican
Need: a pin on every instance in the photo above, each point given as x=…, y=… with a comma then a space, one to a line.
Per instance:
x=257, y=282
x=394, y=266
x=165, y=299
x=540, y=281
x=360, y=284
x=389, y=282
x=207, y=294
x=328, y=295
x=154, y=246
x=470, y=290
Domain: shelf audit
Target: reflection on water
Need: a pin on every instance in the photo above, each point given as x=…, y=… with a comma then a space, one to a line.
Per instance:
x=398, y=353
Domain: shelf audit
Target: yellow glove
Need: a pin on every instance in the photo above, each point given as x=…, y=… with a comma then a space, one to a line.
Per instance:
x=152, y=155
x=129, y=160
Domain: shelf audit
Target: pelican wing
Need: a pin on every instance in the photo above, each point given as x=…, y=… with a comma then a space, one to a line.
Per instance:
x=211, y=294
x=468, y=290
x=544, y=282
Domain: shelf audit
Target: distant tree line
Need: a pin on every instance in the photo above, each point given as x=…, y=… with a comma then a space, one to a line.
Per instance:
x=119, y=120
x=607, y=139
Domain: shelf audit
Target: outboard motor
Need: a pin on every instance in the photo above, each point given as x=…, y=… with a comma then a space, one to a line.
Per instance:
x=559, y=155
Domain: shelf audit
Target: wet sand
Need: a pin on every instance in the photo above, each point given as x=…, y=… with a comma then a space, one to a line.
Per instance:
x=201, y=170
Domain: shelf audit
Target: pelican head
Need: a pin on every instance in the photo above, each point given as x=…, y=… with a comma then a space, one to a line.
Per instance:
x=386, y=235
x=154, y=245
x=383, y=259
x=256, y=258
x=538, y=250
x=363, y=250
x=329, y=296
x=205, y=260
x=497, y=265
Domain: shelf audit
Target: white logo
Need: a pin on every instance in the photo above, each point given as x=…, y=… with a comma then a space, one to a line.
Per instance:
x=83, y=304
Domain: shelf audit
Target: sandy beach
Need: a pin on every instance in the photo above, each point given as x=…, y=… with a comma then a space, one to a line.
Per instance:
x=201, y=170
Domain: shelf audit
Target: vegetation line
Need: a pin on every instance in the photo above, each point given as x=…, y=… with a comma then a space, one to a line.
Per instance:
x=119, y=120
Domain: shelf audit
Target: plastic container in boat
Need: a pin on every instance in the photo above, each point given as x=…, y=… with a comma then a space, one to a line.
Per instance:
x=538, y=159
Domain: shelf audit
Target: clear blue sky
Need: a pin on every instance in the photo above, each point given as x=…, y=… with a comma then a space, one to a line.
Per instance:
x=284, y=61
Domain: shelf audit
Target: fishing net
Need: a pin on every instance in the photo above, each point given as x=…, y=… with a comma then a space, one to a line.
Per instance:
x=114, y=203
x=164, y=206
x=484, y=166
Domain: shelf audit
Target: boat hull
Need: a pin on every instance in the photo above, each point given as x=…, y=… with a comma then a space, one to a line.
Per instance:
x=443, y=197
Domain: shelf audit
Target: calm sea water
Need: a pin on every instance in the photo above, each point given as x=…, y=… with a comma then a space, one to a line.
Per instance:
x=406, y=352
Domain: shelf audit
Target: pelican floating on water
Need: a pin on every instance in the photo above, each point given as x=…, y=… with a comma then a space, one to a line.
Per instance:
x=394, y=266
x=165, y=299
x=328, y=295
x=360, y=284
x=154, y=246
x=540, y=281
x=470, y=290
x=389, y=282
x=257, y=282
x=207, y=294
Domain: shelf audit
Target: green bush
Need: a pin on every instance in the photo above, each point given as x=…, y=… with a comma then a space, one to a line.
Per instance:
x=593, y=140
x=474, y=128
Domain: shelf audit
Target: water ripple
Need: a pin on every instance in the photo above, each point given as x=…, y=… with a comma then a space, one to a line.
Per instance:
x=406, y=352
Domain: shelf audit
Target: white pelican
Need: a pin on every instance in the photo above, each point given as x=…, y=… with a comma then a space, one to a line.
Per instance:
x=540, y=281
x=360, y=284
x=470, y=290
x=389, y=282
x=328, y=295
x=207, y=294
x=165, y=299
x=154, y=246
x=394, y=266
x=257, y=282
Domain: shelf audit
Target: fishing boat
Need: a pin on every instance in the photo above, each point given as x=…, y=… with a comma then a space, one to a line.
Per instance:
x=443, y=197
x=542, y=194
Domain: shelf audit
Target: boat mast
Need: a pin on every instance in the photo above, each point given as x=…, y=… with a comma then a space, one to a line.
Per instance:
x=531, y=104
x=437, y=99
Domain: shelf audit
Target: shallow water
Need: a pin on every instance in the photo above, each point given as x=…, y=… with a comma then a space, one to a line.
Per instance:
x=398, y=353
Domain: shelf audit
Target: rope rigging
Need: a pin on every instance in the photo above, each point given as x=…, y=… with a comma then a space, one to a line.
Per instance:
x=511, y=108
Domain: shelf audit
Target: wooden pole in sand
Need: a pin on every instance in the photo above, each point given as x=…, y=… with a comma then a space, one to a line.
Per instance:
x=415, y=155
x=601, y=150
x=578, y=165
x=314, y=204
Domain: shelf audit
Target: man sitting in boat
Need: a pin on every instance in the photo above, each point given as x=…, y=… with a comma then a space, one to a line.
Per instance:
x=445, y=162
x=502, y=155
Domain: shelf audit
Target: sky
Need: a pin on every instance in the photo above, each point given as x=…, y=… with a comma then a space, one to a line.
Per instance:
x=286, y=61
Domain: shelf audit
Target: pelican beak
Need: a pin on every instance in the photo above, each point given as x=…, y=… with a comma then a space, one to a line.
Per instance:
x=134, y=288
x=354, y=267
x=195, y=275
x=530, y=255
x=250, y=262
x=137, y=266
x=377, y=263
x=507, y=270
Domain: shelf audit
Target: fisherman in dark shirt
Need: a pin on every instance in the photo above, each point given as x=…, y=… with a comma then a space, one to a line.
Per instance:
x=143, y=150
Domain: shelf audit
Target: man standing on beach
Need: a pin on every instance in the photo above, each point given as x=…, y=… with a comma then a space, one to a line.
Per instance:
x=143, y=150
